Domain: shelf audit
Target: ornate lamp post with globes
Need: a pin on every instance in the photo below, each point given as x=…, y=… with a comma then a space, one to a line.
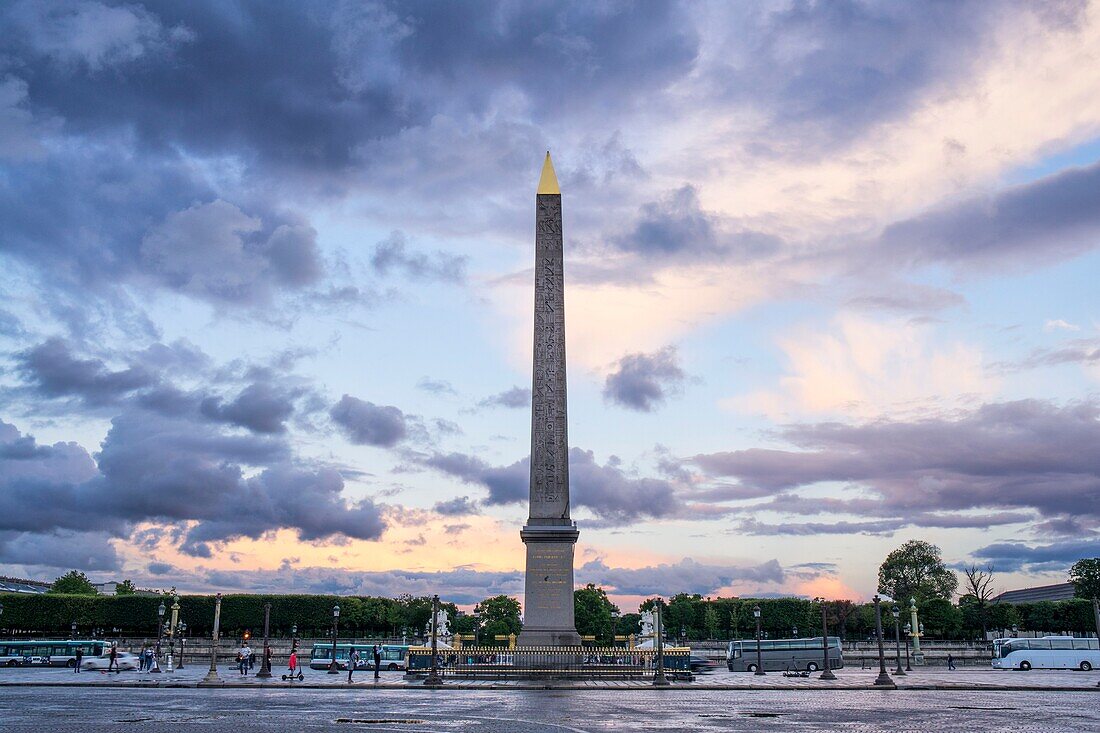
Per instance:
x=918, y=631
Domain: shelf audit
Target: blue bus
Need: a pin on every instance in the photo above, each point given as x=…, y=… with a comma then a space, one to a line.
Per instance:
x=48, y=652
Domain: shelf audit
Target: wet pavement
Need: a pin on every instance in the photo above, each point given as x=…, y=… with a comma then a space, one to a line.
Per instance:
x=363, y=708
x=848, y=678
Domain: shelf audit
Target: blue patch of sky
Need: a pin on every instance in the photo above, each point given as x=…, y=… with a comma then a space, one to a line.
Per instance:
x=1080, y=155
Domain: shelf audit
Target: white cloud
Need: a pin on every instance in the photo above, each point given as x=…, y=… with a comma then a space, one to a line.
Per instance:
x=1058, y=324
x=864, y=368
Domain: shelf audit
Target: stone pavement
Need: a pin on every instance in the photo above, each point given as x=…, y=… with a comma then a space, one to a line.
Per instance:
x=848, y=679
x=106, y=709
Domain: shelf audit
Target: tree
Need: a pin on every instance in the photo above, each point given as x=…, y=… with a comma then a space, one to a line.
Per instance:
x=941, y=619
x=710, y=621
x=499, y=615
x=1085, y=576
x=125, y=588
x=978, y=584
x=916, y=570
x=592, y=611
x=74, y=583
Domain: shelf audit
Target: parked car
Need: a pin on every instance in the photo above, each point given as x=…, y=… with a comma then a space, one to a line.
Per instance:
x=126, y=660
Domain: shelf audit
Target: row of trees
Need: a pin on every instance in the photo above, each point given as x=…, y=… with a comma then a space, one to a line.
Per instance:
x=685, y=614
x=914, y=570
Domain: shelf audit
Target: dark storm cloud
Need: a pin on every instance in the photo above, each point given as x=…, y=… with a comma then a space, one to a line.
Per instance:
x=506, y=484
x=261, y=407
x=675, y=227
x=460, y=585
x=157, y=469
x=62, y=550
x=687, y=576
x=392, y=255
x=457, y=507
x=365, y=423
x=606, y=490
x=644, y=381
x=1026, y=455
x=336, y=76
x=53, y=369
x=513, y=398
x=1050, y=219
x=823, y=72
x=1016, y=556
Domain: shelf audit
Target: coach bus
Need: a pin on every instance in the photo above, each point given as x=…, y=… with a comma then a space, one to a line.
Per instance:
x=1048, y=652
x=783, y=654
x=393, y=656
x=47, y=652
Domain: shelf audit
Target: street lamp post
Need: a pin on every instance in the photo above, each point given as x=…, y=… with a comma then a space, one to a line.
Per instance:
x=759, y=655
x=160, y=635
x=72, y=630
x=918, y=629
x=827, y=674
x=908, y=632
x=332, y=667
x=614, y=626
x=659, y=679
x=883, y=679
x=899, y=672
x=172, y=626
x=265, y=663
x=183, y=635
x=212, y=676
x=433, y=679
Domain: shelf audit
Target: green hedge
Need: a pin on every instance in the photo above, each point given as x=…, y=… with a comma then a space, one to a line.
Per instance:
x=137, y=615
x=370, y=616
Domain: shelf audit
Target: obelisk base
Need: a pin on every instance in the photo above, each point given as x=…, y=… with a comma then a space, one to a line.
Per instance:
x=548, y=588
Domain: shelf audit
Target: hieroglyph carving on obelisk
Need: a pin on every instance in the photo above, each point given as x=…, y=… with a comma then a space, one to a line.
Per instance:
x=549, y=534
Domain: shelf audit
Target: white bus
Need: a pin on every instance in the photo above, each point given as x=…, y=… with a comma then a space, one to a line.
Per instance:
x=1049, y=652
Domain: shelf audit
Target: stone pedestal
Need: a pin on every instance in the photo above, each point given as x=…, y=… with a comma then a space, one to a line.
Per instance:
x=548, y=606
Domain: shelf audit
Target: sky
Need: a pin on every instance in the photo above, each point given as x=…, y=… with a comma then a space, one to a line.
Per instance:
x=266, y=291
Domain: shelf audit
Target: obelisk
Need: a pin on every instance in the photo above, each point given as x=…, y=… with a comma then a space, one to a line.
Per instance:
x=549, y=534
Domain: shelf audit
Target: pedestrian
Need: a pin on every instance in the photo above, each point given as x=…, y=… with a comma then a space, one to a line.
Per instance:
x=353, y=662
x=113, y=659
x=242, y=659
x=79, y=658
x=950, y=661
x=377, y=660
x=141, y=659
x=149, y=659
x=293, y=661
